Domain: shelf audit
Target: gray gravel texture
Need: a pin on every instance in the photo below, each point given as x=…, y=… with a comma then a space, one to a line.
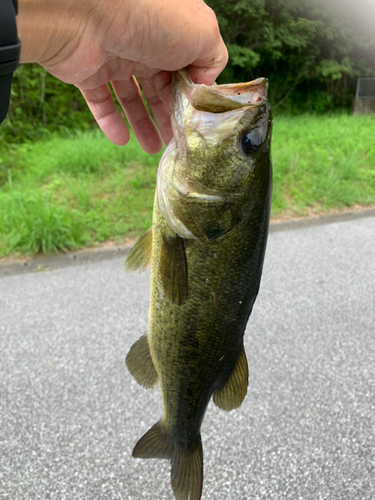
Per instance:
x=70, y=413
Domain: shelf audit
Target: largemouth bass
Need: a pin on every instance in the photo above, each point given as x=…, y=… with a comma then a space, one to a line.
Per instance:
x=206, y=248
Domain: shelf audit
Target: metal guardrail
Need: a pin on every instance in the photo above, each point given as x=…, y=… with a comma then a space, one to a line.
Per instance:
x=365, y=88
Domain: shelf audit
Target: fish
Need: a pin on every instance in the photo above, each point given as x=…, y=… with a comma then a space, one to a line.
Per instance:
x=206, y=249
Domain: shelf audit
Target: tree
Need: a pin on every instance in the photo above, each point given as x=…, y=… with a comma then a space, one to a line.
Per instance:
x=311, y=53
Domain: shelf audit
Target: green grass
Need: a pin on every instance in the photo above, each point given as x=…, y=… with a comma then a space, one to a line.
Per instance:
x=323, y=163
x=69, y=192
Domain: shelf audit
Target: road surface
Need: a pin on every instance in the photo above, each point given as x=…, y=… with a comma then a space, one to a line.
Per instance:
x=70, y=413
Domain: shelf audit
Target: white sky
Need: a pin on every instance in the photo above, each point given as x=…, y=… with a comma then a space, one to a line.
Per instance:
x=360, y=12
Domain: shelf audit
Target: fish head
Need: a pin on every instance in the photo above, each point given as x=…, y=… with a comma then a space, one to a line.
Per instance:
x=217, y=169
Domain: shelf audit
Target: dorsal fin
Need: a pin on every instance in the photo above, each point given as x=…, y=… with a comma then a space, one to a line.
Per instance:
x=234, y=391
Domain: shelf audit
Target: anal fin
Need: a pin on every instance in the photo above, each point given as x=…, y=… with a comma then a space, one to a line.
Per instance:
x=173, y=269
x=140, y=364
x=140, y=255
x=234, y=391
x=154, y=444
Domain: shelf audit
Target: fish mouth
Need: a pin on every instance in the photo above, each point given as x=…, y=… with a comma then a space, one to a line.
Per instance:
x=219, y=98
x=212, y=112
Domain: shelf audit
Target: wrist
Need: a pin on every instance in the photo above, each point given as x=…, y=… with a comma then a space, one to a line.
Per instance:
x=50, y=27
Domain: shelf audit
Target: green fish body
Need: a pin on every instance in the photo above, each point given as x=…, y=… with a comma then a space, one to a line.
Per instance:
x=206, y=249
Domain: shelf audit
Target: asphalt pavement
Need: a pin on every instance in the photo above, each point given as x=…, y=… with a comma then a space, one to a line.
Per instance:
x=70, y=413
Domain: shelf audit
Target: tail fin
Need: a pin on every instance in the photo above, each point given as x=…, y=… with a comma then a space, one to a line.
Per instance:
x=187, y=472
x=187, y=462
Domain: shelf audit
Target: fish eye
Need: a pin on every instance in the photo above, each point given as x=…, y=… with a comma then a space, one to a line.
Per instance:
x=250, y=141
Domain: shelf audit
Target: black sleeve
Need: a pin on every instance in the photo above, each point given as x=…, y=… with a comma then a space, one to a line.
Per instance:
x=10, y=48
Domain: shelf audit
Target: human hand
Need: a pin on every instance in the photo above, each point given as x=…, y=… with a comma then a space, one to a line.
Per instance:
x=92, y=42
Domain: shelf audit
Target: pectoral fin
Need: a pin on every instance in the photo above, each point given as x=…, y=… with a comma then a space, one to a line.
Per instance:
x=140, y=364
x=140, y=255
x=173, y=269
x=234, y=391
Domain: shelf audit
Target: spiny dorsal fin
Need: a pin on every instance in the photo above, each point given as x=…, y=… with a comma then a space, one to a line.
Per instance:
x=173, y=269
x=140, y=364
x=234, y=391
x=140, y=255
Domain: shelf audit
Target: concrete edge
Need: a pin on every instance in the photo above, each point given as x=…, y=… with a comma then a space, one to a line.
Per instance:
x=87, y=256
x=331, y=218
x=50, y=263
